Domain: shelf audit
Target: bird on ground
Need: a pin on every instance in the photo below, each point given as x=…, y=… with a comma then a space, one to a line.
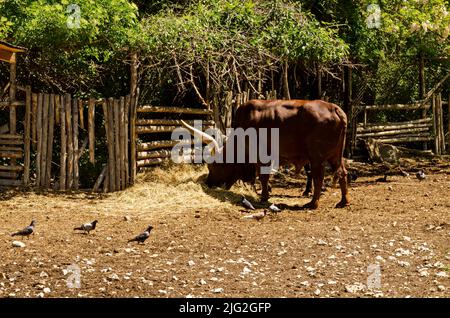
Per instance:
x=87, y=227
x=143, y=236
x=26, y=231
x=257, y=216
x=404, y=173
x=274, y=208
x=247, y=203
x=421, y=175
x=352, y=176
x=383, y=179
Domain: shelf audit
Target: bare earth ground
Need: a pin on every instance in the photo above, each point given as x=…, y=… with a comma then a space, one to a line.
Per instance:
x=200, y=246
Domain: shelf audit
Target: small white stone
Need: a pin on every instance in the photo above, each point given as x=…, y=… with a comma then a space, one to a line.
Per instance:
x=191, y=263
x=46, y=290
x=317, y=292
x=441, y=288
x=18, y=244
x=217, y=290
x=43, y=274
x=202, y=282
x=246, y=271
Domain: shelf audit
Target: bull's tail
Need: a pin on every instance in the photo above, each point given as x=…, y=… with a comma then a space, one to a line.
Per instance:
x=341, y=171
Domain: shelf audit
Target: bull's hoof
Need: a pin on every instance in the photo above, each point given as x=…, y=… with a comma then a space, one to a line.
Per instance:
x=342, y=204
x=311, y=205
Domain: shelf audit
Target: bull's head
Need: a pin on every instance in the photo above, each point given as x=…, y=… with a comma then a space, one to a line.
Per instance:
x=223, y=174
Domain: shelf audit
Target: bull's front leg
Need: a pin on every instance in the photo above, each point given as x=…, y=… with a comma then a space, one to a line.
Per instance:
x=317, y=172
x=308, y=180
x=264, y=179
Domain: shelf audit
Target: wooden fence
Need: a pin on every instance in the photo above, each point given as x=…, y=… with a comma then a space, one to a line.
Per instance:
x=430, y=128
x=55, y=123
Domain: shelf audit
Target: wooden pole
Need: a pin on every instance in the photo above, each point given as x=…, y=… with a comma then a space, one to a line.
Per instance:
x=63, y=158
x=126, y=129
x=441, y=124
x=70, y=154
x=26, y=171
x=75, y=144
x=12, y=94
x=448, y=108
x=80, y=113
x=286, y=94
x=100, y=179
x=111, y=148
x=122, y=142
x=91, y=127
x=117, y=141
x=422, y=90
x=51, y=118
x=319, y=80
x=133, y=136
x=57, y=109
x=39, y=138
x=34, y=104
x=435, y=126
x=45, y=108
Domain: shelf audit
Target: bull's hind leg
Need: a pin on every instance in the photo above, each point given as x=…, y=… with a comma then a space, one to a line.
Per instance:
x=341, y=174
x=308, y=180
x=317, y=173
x=264, y=179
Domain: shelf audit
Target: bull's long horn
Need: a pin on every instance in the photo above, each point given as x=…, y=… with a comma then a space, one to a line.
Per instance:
x=204, y=135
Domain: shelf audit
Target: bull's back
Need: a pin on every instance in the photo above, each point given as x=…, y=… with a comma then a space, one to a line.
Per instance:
x=306, y=128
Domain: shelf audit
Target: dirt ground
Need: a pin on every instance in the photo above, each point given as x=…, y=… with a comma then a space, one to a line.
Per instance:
x=201, y=246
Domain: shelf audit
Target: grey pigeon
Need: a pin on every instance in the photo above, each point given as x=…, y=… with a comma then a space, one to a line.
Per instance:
x=87, y=227
x=26, y=231
x=143, y=236
x=420, y=175
x=247, y=203
x=383, y=179
x=257, y=216
x=274, y=208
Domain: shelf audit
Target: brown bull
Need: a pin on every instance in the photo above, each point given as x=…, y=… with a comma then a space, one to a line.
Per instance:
x=309, y=131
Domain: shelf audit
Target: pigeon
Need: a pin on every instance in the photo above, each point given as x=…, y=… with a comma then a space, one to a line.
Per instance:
x=352, y=176
x=404, y=173
x=257, y=216
x=26, y=231
x=274, y=208
x=143, y=236
x=420, y=175
x=383, y=179
x=87, y=227
x=247, y=203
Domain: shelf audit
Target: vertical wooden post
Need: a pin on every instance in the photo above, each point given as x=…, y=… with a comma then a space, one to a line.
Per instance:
x=63, y=158
x=44, y=138
x=39, y=138
x=126, y=130
x=441, y=123
x=111, y=148
x=448, y=107
x=51, y=118
x=80, y=113
x=34, y=107
x=70, y=154
x=57, y=109
x=319, y=81
x=26, y=171
x=122, y=142
x=12, y=94
x=422, y=90
x=91, y=127
x=133, y=136
x=286, y=94
x=348, y=109
x=76, y=155
x=117, y=141
x=435, y=125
